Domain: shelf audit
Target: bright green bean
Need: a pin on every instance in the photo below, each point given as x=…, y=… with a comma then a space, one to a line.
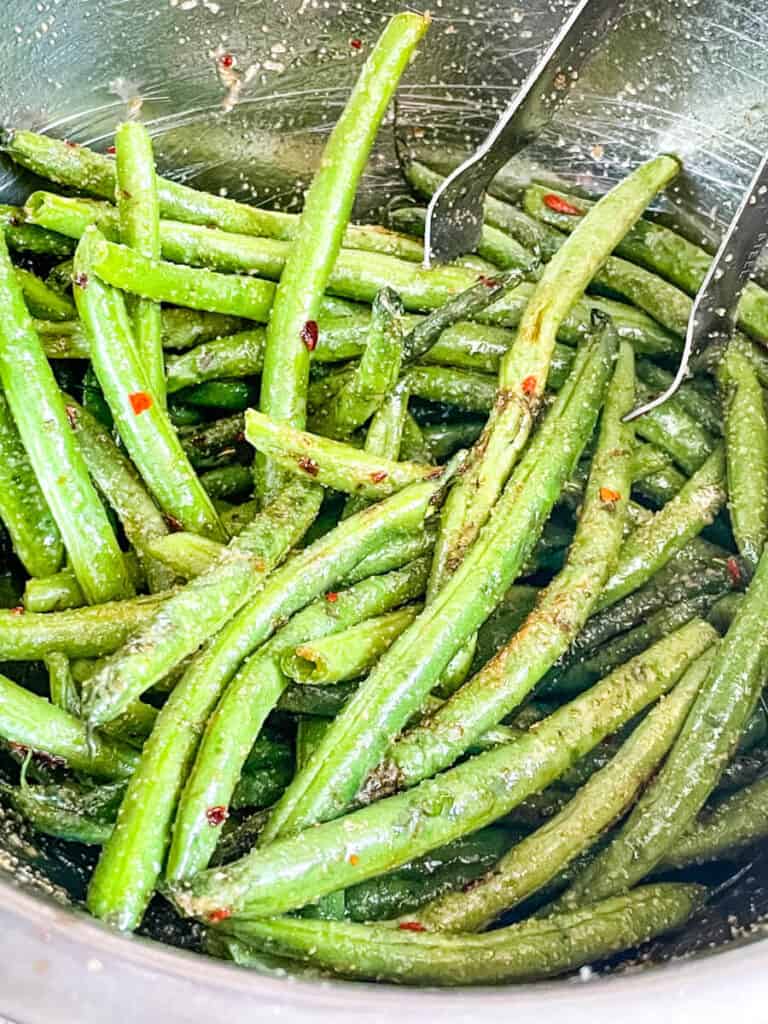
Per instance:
x=746, y=454
x=42, y=301
x=23, y=509
x=142, y=422
x=139, y=220
x=38, y=409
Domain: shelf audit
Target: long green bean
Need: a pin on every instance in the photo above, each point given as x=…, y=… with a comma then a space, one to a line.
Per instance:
x=746, y=454
x=343, y=852
x=292, y=327
x=141, y=420
x=38, y=410
x=85, y=170
x=139, y=219
x=23, y=509
x=42, y=301
x=524, y=370
x=24, y=237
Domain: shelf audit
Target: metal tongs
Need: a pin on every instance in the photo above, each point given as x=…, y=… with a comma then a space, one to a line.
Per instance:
x=713, y=317
x=455, y=213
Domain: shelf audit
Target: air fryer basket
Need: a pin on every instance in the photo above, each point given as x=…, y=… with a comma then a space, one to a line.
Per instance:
x=684, y=76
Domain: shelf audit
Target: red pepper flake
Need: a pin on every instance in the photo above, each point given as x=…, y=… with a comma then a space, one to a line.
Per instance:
x=111, y=150
x=560, y=205
x=219, y=915
x=216, y=815
x=529, y=385
x=18, y=748
x=72, y=145
x=140, y=402
x=608, y=495
x=226, y=60
x=310, y=334
x=81, y=280
x=173, y=523
x=411, y=926
x=332, y=597
x=353, y=859
x=49, y=760
x=356, y=44
x=18, y=610
x=308, y=465
x=71, y=415
x=733, y=571
x=378, y=477
x=489, y=282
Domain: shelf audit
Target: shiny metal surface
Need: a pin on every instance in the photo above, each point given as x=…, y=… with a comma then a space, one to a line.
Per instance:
x=455, y=212
x=683, y=75
x=713, y=315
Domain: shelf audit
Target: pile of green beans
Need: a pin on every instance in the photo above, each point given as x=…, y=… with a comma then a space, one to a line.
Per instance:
x=366, y=618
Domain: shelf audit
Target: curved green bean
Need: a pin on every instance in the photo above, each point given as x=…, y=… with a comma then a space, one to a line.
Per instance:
x=142, y=422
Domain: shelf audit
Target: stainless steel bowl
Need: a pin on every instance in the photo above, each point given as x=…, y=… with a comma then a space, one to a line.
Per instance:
x=689, y=76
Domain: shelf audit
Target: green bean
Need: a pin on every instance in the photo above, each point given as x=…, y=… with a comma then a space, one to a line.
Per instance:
x=581, y=672
x=35, y=723
x=374, y=377
x=28, y=238
x=520, y=952
x=696, y=761
x=470, y=391
x=737, y=821
x=185, y=554
x=445, y=439
x=320, y=231
x=120, y=484
x=67, y=811
x=38, y=409
x=605, y=796
x=42, y=301
x=393, y=553
x=23, y=508
x=494, y=245
x=59, y=277
x=702, y=406
x=331, y=463
x=463, y=306
x=139, y=227
x=143, y=424
x=746, y=454
x=660, y=249
x=239, y=355
x=524, y=370
x=84, y=170
x=415, y=662
x=560, y=611
x=695, y=570
x=349, y=654
x=389, y=833
x=131, y=861
x=220, y=394
x=449, y=868
x=259, y=789
x=227, y=482
x=200, y=609
x=384, y=437
x=670, y=428
x=201, y=443
x=651, y=546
